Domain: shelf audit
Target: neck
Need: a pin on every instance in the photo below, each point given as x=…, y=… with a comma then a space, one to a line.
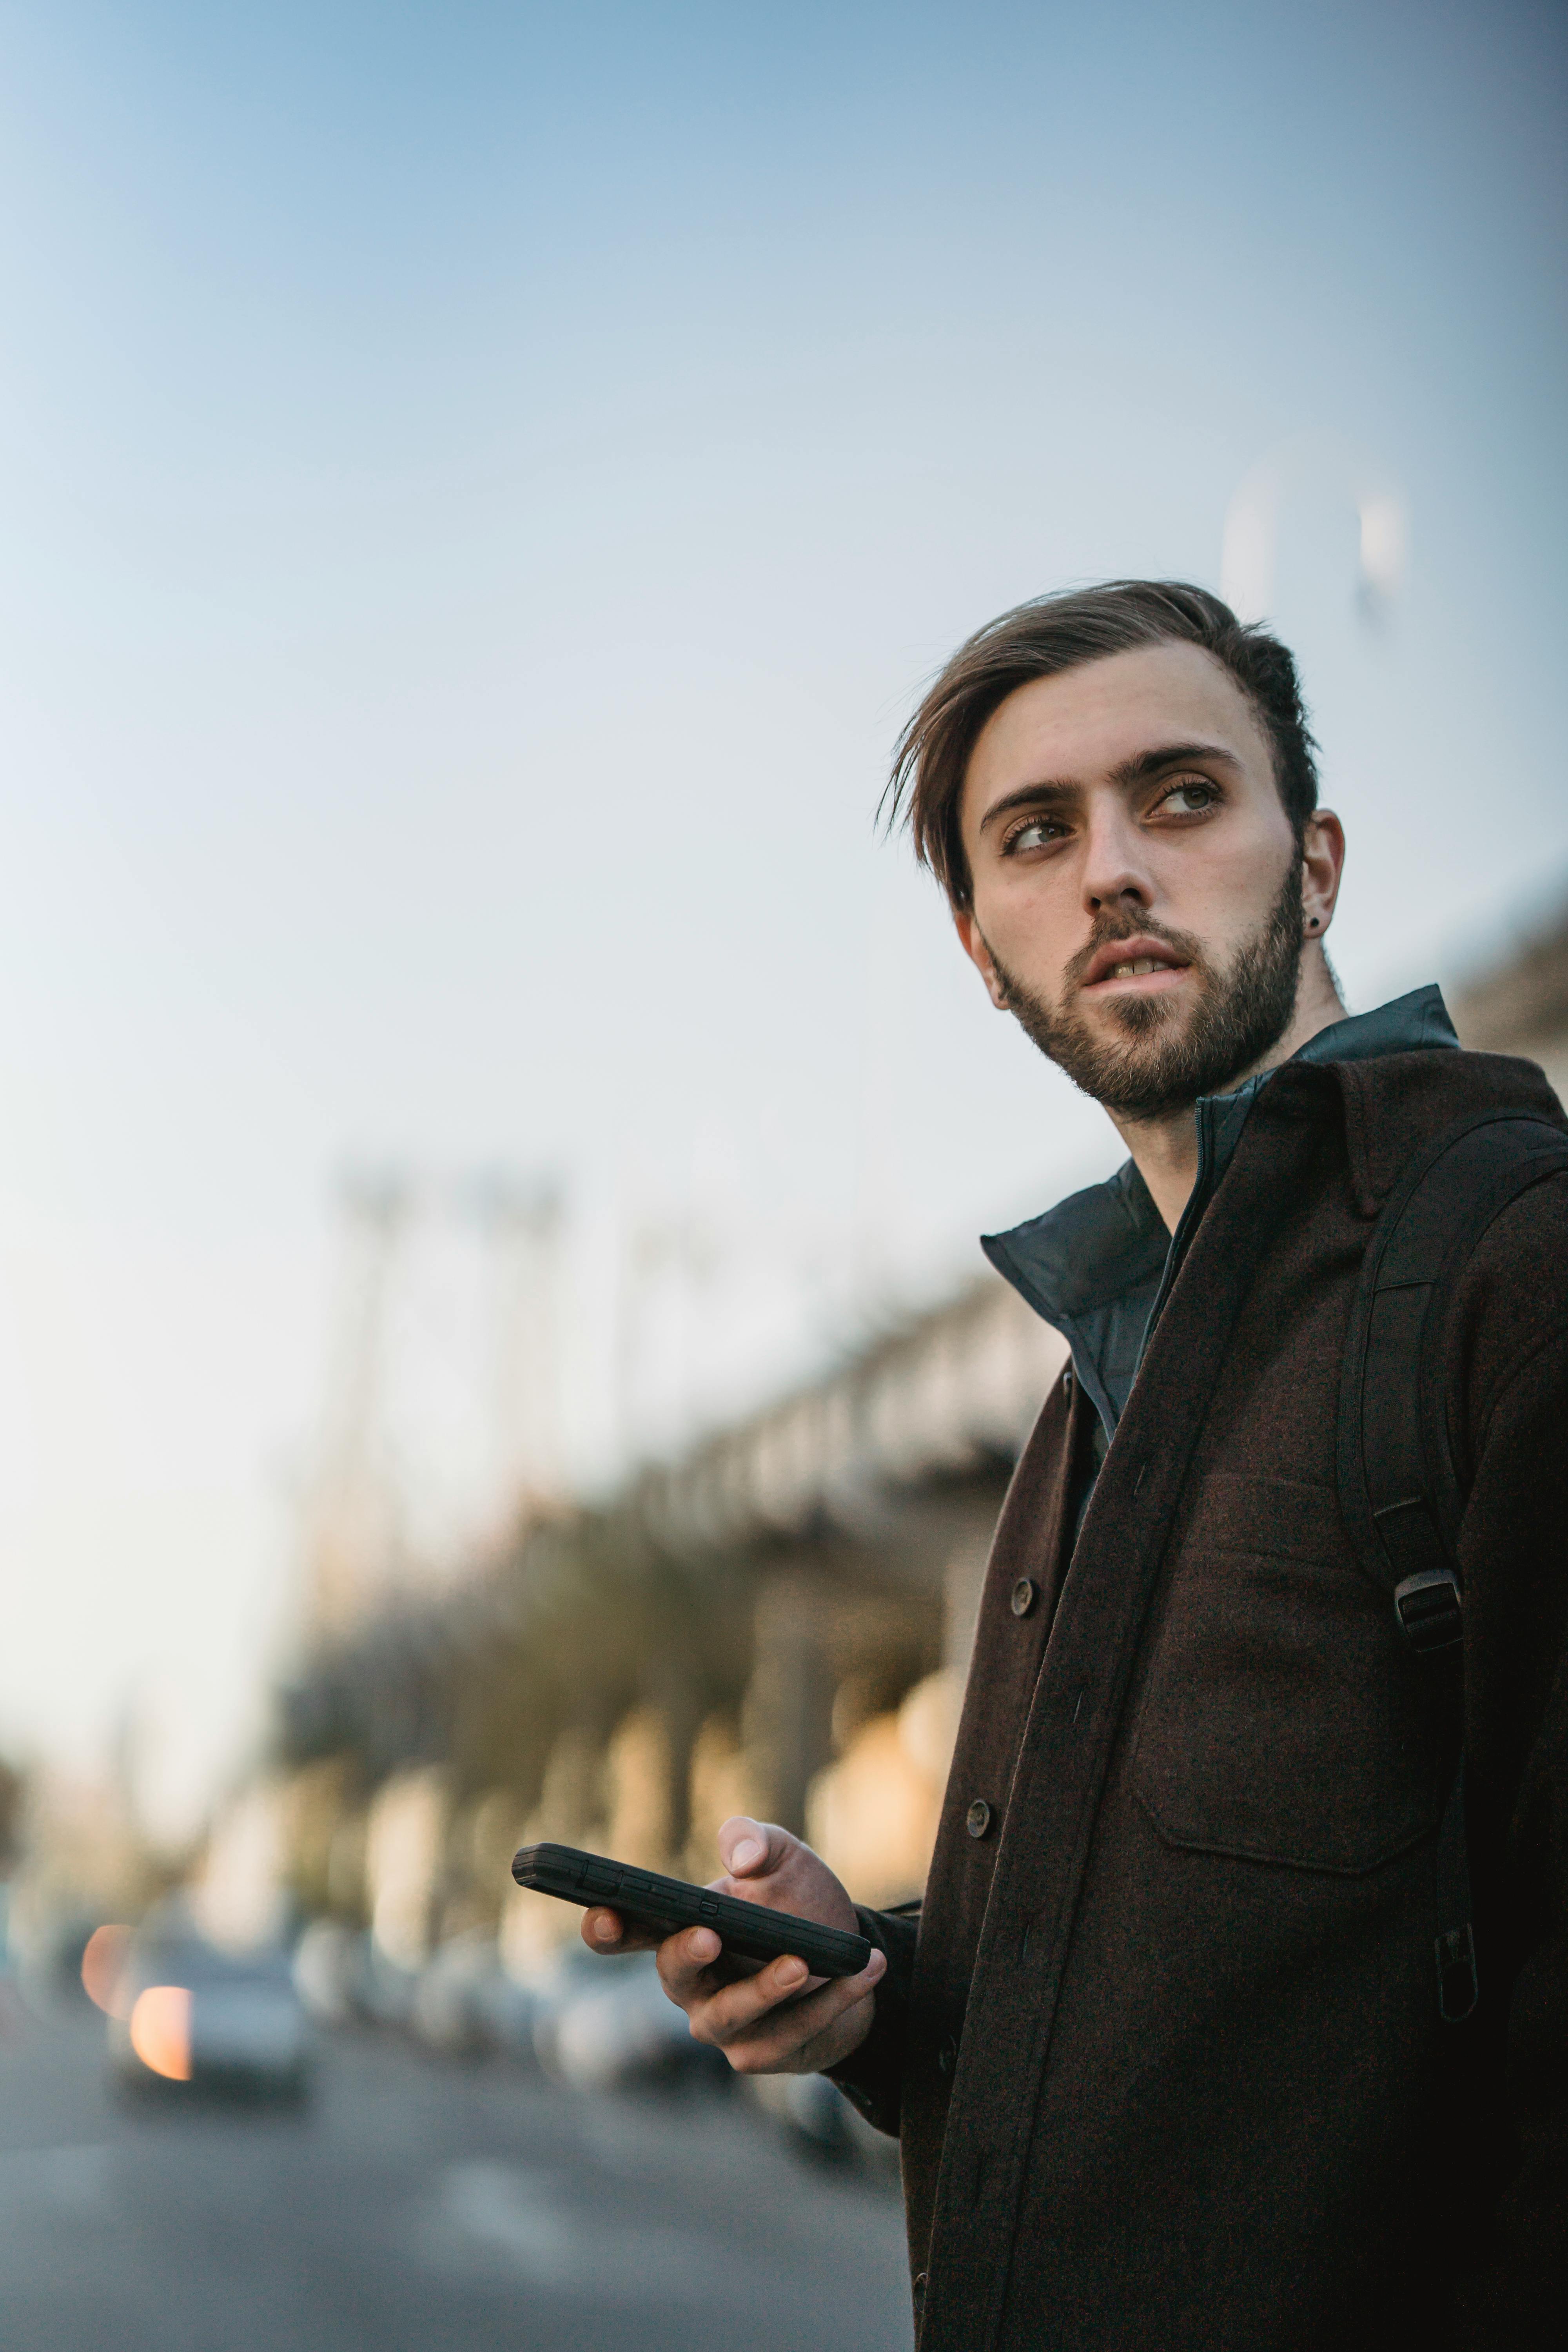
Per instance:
x=1165, y=1151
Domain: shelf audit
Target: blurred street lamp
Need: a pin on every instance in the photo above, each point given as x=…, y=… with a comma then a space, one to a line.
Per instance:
x=1249, y=551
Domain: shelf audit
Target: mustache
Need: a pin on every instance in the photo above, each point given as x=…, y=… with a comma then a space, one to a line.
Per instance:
x=1109, y=928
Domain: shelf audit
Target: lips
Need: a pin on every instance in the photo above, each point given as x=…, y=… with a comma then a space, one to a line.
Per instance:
x=1137, y=959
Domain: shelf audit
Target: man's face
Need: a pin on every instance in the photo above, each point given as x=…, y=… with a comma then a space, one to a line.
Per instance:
x=1137, y=888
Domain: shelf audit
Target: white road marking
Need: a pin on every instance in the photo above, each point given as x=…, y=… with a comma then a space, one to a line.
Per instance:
x=522, y=2215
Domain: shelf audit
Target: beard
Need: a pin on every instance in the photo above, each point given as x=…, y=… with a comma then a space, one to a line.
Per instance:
x=1165, y=1058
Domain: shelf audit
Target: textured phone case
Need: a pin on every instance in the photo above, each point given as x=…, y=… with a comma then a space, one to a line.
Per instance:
x=751, y=1929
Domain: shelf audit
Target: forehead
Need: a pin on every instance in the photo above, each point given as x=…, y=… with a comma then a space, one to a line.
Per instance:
x=1076, y=727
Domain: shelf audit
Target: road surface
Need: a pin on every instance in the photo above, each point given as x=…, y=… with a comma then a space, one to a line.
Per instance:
x=422, y=2205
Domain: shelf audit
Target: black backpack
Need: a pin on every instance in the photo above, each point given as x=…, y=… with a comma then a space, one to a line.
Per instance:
x=1400, y=1491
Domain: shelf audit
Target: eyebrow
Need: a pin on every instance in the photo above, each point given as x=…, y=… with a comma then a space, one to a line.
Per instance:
x=1137, y=770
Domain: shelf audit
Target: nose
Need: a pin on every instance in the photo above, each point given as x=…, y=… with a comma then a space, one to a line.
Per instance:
x=1115, y=875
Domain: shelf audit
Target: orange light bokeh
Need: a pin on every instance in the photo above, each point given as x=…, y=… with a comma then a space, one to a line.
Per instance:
x=160, y=2031
x=102, y=1963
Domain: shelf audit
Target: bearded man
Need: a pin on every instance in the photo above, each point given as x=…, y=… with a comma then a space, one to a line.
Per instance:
x=1165, y=2044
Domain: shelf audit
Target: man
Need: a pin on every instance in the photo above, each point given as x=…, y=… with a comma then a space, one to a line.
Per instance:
x=1165, y=2047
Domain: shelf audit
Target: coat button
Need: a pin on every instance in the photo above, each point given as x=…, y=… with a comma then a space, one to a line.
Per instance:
x=921, y=2278
x=947, y=2056
x=1023, y=1596
x=977, y=1821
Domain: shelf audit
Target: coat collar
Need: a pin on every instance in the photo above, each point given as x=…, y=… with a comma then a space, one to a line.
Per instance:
x=1098, y=1266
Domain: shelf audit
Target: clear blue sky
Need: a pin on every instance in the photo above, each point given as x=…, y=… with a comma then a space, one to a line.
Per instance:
x=479, y=488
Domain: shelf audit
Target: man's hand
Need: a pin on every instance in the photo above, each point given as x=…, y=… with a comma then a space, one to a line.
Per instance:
x=779, y=2021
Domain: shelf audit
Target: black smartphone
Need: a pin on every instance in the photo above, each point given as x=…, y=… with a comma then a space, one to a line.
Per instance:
x=750, y=1929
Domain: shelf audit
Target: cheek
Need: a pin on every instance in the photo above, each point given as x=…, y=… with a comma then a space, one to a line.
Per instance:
x=1230, y=887
x=1030, y=927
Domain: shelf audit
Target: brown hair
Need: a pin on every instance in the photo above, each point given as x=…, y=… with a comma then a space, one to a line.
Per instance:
x=1052, y=634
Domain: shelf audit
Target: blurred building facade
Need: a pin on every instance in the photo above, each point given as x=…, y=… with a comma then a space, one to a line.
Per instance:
x=778, y=1621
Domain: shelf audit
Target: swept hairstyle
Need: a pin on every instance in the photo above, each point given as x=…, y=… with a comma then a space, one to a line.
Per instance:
x=1061, y=632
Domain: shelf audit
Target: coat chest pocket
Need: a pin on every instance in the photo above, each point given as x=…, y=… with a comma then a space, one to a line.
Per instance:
x=1281, y=1721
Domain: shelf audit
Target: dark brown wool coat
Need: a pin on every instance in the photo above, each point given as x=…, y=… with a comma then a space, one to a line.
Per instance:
x=1163, y=2052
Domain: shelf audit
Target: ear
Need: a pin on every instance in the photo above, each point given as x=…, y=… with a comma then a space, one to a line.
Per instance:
x=973, y=942
x=1322, y=863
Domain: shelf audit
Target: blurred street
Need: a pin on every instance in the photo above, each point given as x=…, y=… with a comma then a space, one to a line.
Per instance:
x=419, y=2205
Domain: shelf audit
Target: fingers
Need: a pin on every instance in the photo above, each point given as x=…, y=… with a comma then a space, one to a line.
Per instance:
x=696, y=1973
x=607, y=1931
x=750, y=1849
x=794, y=2033
x=721, y=2015
x=767, y=2019
x=767, y=1864
x=724, y=2012
x=684, y=1961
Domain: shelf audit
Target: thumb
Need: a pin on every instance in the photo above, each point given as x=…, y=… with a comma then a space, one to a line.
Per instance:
x=750, y=1849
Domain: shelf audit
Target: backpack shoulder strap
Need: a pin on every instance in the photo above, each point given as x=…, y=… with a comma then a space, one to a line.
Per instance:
x=1399, y=1489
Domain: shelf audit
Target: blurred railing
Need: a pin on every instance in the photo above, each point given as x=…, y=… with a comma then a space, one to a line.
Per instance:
x=953, y=1390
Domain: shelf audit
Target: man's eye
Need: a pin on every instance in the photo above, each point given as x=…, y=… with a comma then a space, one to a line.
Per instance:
x=1189, y=798
x=1035, y=833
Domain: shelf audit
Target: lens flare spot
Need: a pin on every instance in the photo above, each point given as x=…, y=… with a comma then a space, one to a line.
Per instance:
x=160, y=2031
x=102, y=1962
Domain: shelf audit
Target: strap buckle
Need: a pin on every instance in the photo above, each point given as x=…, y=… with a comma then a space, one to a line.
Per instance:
x=1458, y=1988
x=1430, y=1613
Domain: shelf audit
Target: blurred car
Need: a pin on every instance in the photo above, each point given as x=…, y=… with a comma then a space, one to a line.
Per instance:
x=467, y=2003
x=343, y=1976
x=508, y=2011
x=818, y=2119
x=183, y=2012
x=449, y=2000
x=331, y=1964
x=463, y=2002
x=49, y=1960
x=604, y=2023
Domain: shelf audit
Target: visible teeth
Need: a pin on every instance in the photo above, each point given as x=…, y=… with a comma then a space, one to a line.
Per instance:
x=1135, y=970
